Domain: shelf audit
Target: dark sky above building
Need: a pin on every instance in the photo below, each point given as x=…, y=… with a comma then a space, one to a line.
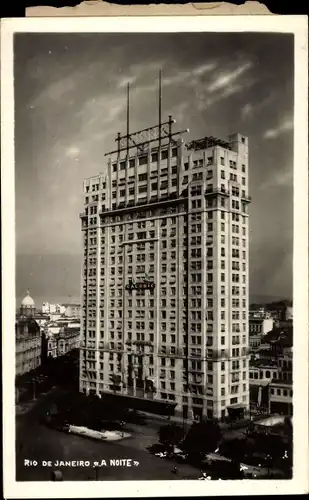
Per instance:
x=70, y=102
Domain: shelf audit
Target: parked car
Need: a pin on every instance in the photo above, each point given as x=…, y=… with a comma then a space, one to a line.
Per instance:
x=157, y=449
x=180, y=457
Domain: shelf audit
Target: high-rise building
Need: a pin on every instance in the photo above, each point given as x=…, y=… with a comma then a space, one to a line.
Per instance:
x=165, y=276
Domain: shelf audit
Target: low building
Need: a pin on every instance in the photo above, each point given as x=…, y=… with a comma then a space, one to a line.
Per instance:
x=254, y=344
x=265, y=372
x=281, y=397
x=27, y=338
x=41, y=319
x=256, y=312
x=48, y=308
x=274, y=425
x=281, y=310
x=260, y=325
x=68, y=339
x=72, y=310
x=275, y=342
x=270, y=372
x=60, y=339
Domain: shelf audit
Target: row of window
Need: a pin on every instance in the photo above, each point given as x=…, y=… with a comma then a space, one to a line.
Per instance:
x=143, y=160
x=197, y=278
x=282, y=392
x=144, y=189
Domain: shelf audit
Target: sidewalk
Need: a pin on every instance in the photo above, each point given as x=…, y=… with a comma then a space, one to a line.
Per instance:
x=225, y=427
x=25, y=407
x=22, y=408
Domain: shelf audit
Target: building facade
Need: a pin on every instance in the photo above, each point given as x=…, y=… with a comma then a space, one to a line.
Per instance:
x=271, y=372
x=60, y=338
x=27, y=338
x=260, y=326
x=165, y=277
x=48, y=308
x=72, y=310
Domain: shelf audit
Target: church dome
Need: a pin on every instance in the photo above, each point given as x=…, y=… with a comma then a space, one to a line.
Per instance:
x=27, y=301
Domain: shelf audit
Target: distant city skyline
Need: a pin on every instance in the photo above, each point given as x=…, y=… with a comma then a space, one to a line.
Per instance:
x=70, y=104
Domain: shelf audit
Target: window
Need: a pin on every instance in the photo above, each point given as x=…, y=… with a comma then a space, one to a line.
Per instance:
x=142, y=177
x=154, y=157
x=142, y=161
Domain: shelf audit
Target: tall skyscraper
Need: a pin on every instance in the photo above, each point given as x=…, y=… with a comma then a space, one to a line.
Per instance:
x=165, y=276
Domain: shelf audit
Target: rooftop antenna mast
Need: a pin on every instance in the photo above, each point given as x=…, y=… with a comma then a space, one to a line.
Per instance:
x=160, y=107
x=128, y=117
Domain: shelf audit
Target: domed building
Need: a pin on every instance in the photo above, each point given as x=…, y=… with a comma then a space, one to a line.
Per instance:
x=28, y=337
x=27, y=306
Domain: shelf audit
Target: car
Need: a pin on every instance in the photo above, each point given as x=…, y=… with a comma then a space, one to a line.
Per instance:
x=180, y=457
x=156, y=449
x=161, y=454
x=204, y=477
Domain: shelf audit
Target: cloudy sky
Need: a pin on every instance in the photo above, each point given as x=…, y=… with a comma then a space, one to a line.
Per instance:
x=70, y=98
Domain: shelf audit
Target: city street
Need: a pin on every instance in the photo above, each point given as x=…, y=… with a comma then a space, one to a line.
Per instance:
x=35, y=441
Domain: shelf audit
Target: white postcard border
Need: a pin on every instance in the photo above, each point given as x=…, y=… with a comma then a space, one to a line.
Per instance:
x=288, y=24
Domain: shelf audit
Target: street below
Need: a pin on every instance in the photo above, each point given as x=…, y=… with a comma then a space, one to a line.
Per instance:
x=36, y=442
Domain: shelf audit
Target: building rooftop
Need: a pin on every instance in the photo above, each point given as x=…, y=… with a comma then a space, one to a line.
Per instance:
x=279, y=335
x=208, y=142
x=261, y=363
x=27, y=301
x=271, y=421
x=276, y=381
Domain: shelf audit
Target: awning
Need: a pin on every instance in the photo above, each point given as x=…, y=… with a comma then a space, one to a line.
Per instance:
x=236, y=407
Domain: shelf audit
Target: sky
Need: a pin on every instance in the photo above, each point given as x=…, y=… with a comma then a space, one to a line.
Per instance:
x=70, y=102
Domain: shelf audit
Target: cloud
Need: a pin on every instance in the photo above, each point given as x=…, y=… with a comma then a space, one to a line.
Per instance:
x=72, y=151
x=206, y=99
x=285, y=126
x=226, y=78
x=247, y=110
x=251, y=109
x=190, y=76
x=281, y=179
x=125, y=80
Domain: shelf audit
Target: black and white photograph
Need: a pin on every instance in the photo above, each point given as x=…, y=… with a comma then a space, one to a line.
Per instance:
x=158, y=201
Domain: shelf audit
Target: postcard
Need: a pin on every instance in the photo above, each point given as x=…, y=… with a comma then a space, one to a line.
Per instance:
x=155, y=256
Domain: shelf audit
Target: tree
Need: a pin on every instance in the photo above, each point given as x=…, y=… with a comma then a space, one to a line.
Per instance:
x=116, y=380
x=237, y=448
x=203, y=437
x=170, y=435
